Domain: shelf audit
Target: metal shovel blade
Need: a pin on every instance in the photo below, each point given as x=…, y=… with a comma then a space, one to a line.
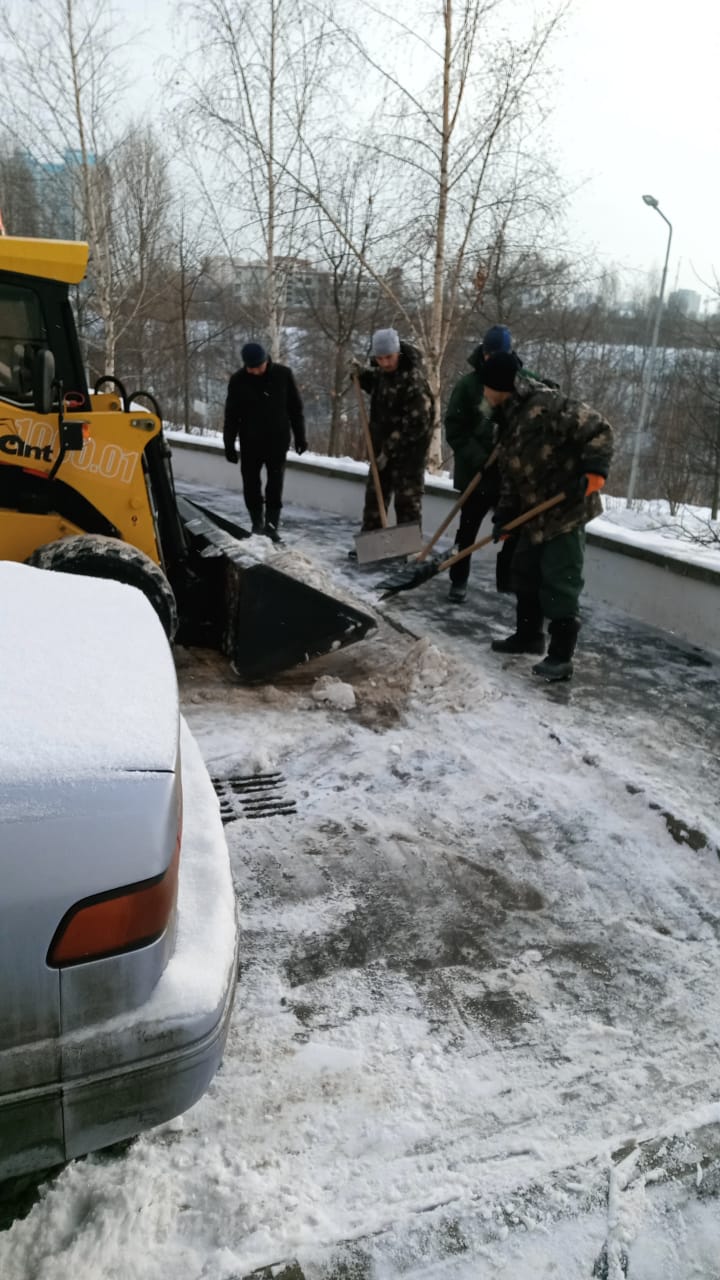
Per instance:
x=383, y=544
x=413, y=576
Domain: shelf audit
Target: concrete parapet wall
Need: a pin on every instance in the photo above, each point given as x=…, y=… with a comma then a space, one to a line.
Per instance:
x=655, y=588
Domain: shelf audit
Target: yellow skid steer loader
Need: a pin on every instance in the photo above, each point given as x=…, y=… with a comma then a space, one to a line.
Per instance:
x=86, y=486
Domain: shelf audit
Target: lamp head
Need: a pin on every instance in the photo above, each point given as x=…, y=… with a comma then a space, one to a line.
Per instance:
x=651, y=201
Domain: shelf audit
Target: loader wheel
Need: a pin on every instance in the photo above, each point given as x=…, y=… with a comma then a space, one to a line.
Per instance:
x=97, y=556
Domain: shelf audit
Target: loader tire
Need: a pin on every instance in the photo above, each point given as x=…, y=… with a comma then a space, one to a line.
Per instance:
x=98, y=556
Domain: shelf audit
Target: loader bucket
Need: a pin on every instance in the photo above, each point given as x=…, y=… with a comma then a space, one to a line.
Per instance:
x=263, y=618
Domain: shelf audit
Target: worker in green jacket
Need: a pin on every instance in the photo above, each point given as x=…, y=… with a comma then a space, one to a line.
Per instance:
x=472, y=435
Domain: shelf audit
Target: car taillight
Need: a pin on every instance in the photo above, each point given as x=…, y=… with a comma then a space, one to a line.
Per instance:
x=123, y=919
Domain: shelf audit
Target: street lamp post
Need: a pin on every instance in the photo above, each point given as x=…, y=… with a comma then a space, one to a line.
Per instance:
x=650, y=362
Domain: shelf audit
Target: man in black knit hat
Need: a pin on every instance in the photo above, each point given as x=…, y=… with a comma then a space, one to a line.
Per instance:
x=262, y=408
x=548, y=445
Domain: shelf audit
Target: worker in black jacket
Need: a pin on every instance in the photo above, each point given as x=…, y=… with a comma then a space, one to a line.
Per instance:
x=262, y=408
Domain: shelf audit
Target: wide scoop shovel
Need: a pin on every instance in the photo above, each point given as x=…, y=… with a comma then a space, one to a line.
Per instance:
x=424, y=568
x=391, y=540
x=420, y=573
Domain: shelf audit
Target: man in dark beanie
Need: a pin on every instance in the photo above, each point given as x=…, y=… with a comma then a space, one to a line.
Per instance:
x=262, y=408
x=469, y=431
x=548, y=445
x=401, y=426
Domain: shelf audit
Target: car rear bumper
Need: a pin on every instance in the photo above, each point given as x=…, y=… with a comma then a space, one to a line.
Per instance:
x=124, y=1074
x=109, y=1106
x=145, y=1066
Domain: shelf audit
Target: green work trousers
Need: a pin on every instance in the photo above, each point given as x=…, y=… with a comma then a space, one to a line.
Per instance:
x=552, y=570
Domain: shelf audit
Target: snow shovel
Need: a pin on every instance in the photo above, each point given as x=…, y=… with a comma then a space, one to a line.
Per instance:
x=430, y=568
x=412, y=577
x=389, y=541
x=458, y=506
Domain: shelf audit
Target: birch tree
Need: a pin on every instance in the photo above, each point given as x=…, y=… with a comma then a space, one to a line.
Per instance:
x=349, y=303
x=456, y=125
x=262, y=63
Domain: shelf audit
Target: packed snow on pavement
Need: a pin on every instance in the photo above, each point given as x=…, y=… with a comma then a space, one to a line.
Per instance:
x=477, y=1026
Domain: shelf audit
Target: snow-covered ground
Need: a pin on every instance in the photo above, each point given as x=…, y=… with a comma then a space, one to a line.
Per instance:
x=477, y=1029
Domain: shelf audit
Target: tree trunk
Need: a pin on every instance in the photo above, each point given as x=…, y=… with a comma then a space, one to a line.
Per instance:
x=337, y=401
x=272, y=289
x=434, y=461
x=437, y=337
x=184, y=340
x=715, y=499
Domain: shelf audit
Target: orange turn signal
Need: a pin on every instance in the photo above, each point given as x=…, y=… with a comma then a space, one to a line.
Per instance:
x=122, y=920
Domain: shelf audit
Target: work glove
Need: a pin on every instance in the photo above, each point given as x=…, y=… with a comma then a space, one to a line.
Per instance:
x=231, y=455
x=591, y=483
x=500, y=519
x=354, y=367
x=381, y=461
x=301, y=448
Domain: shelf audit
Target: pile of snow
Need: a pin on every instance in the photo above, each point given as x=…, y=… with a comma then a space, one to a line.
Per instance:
x=334, y=693
x=688, y=534
x=430, y=666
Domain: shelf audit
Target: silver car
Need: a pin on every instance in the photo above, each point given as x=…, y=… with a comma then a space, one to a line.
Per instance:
x=118, y=940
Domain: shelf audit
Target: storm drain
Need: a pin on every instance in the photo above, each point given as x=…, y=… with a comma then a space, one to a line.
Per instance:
x=255, y=795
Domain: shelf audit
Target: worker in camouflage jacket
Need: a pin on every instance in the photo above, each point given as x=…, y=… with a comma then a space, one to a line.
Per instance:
x=471, y=434
x=401, y=426
x=548, y=445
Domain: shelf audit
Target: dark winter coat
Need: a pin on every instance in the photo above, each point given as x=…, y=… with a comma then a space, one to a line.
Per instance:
x=547, y=445
x=261, y=410
x=470, y=429
x=401, y=411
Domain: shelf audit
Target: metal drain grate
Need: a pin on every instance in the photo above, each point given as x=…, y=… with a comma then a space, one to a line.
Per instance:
x=255, y=795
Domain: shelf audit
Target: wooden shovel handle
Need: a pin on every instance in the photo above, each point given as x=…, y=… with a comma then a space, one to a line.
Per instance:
x=371, y=454
x=507, y=528
x=458, y=505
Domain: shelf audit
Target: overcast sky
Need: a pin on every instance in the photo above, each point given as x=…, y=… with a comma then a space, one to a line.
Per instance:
x=638, y=111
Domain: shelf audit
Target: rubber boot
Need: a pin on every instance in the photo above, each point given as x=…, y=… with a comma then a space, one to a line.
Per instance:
x=563, y=638
x=459, y=575
x=272, y=520
x=258, y=520
x=528, y=635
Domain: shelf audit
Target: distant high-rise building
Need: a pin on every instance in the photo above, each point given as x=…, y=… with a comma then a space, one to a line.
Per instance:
x=58, y=186
x=686, y=301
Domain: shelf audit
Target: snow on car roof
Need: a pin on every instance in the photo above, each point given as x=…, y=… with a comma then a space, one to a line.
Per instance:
x=87, y=681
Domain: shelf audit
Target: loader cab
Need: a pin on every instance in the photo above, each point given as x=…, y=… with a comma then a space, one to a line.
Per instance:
x=70, y=465
x=35, y=319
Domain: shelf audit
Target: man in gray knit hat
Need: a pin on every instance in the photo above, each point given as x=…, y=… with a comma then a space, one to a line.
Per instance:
x=401, y=426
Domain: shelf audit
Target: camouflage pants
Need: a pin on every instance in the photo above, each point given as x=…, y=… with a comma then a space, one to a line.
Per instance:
x=405, y=488
x=552, y=570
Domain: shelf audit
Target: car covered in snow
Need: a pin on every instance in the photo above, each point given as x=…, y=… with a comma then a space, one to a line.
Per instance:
x=118, y=939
